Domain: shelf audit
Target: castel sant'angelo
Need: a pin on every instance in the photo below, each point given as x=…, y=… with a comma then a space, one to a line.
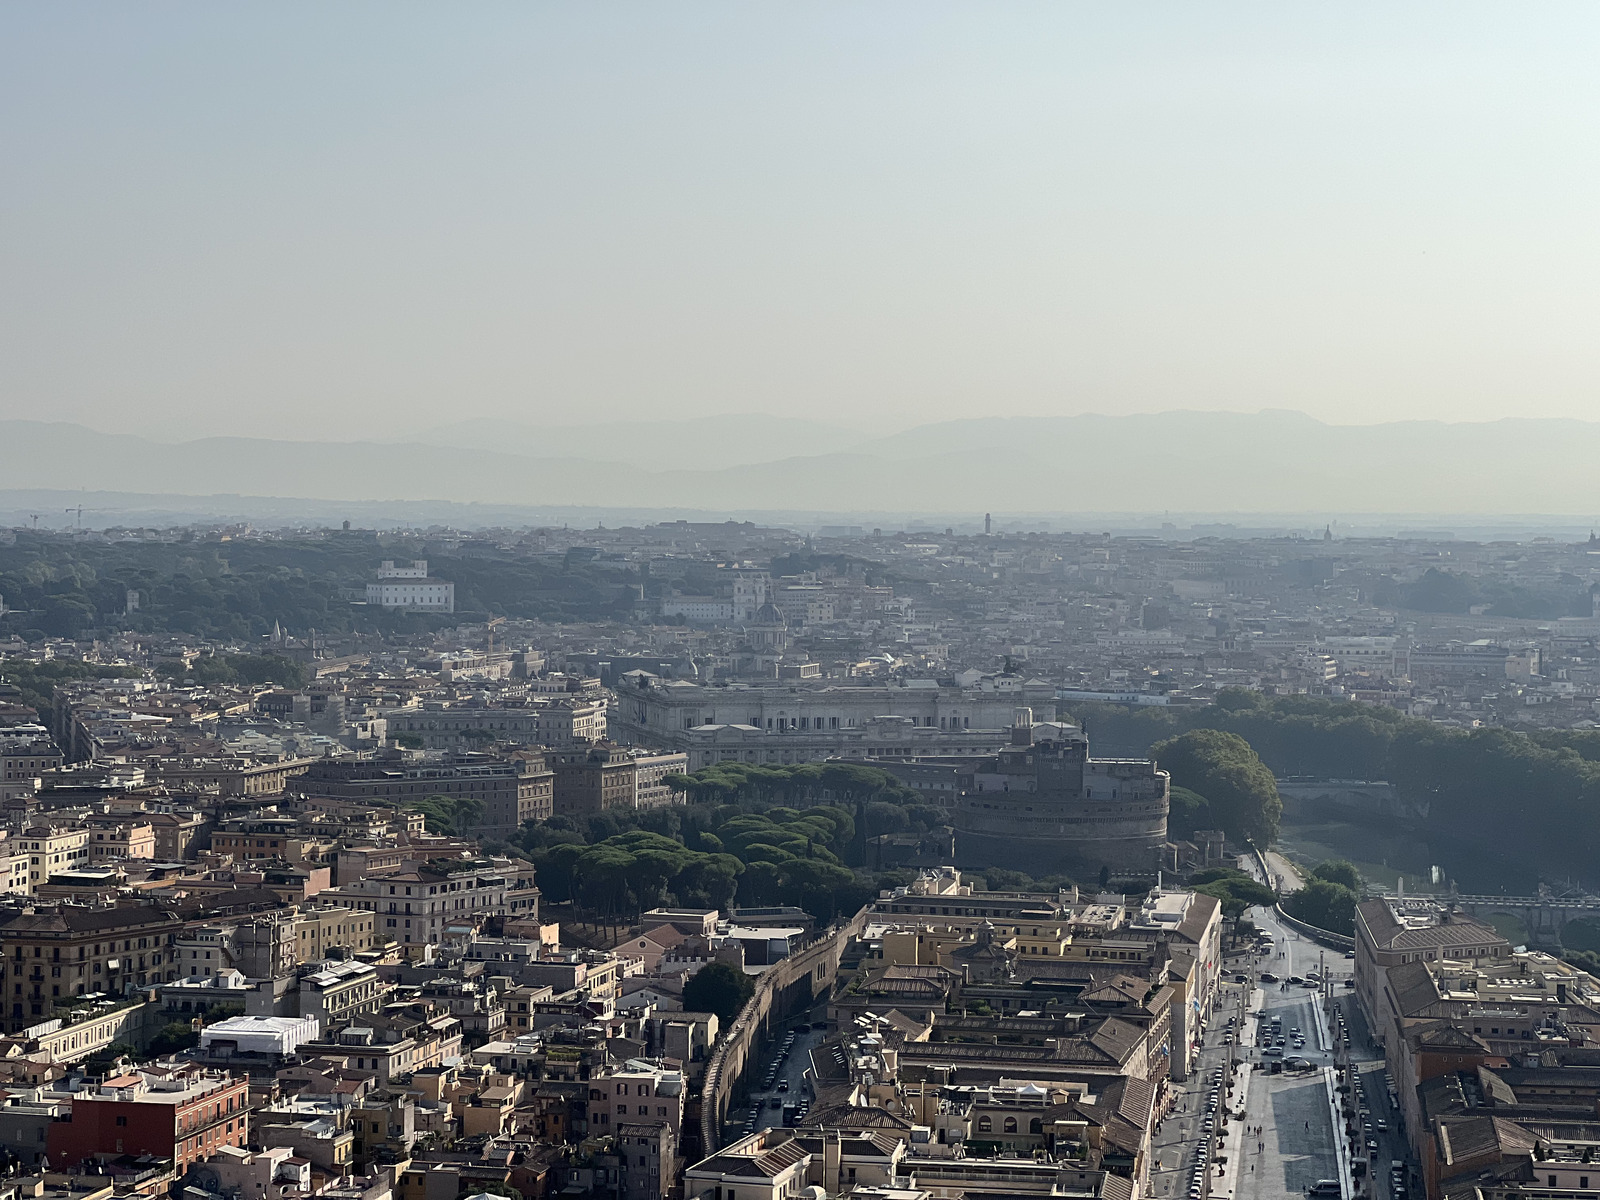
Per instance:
x=1043, y=804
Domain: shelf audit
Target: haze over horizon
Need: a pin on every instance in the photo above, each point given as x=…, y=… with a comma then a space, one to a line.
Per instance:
x=364, y=222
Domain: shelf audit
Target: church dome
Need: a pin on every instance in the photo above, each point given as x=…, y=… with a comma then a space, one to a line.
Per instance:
x=768, y=614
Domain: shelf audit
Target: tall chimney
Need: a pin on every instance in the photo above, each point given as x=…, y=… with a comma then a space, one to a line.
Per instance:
x=1022, y=727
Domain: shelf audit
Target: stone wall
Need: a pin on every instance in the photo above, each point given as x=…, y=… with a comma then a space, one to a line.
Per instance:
x=788, y=986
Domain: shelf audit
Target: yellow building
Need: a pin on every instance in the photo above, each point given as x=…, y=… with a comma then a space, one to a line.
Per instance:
x=14, y=868
x=320, y=930
x=132, y=840
x=51, y=849
x=933, y=945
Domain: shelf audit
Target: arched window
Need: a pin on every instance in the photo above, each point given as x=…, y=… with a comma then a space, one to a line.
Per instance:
x=985, y=1125
x=1011, y=1124
x=1036, y=1126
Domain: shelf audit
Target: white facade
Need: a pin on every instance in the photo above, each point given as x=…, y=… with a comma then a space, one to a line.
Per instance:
x=410, y=587
x=697, y=608
x=750, y=589
x=261, y=1035
x=1372, y=654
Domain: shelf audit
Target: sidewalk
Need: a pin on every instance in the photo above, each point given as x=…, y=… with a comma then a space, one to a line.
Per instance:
x=1231, y=1149
x=1341, y=1144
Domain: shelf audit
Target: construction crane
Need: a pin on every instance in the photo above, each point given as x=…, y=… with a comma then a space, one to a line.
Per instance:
x=80, y=509
x=488, y=628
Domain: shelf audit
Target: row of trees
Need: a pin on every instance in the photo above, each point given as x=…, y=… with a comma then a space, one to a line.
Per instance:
x=1533, y=799
x=1439, y=591
x=713, y=856
x=1329, y=898
x=237, y=589
x=36, y=681
x=449, y=816
x=799, y=783
x=217, y=669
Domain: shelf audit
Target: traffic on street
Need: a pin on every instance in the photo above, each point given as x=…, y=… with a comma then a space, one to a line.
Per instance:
x=781, y=1093
x=1288, y=1096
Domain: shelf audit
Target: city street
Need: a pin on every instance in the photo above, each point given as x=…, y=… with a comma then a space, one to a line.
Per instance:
x=1298, y=1142
x=789, y=1086
x=1297, y=1145
x=1368, y=1061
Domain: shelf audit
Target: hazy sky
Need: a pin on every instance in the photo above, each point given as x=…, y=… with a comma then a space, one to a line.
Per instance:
x=364, y=219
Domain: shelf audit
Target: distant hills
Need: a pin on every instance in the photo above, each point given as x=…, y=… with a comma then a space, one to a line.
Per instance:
x=1176, y=462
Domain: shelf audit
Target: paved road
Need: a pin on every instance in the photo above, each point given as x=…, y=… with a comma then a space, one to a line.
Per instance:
x=1295, y=955
x=1298, y=1140
x=1296, y=1146
x=1369, y=1067
x=1179, y=1136
x=1284, y=877
x=792, y=1072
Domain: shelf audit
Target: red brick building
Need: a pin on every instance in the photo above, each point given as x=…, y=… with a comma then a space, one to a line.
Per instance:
x=183, y=1113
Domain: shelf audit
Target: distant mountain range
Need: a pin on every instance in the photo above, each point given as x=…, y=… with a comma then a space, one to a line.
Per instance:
x=1177, y=462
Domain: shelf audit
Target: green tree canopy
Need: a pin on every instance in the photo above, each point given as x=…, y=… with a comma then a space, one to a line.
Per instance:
x=1338, y=870
x=1190, y=811
x=718, y=988
x=1325, y=904
x=1241, y=791
x=1234, y=888
x=450, y=816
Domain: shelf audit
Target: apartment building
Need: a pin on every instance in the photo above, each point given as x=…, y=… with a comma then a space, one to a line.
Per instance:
x=121, y=839
x=175, y=832
x=334, y=992
x=250, y=840
x=184, y=1114
x=53, y=954
x=15, y=868
x=52, y=849
x=23, y=763
x=320, y=931
x=418, y=907
x=597, y=778
x=1390, y=933
x=513, y=790
x=640, y=1092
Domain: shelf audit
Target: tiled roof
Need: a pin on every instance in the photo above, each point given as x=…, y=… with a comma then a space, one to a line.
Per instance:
x=1414, y=988
x=850, y=1116
x=1201, y=910
x=1117, y=1038
x=1389, y=934
x=1379, y=921
x=768, y=1164
x=87, y=920
x=1446, y=1035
